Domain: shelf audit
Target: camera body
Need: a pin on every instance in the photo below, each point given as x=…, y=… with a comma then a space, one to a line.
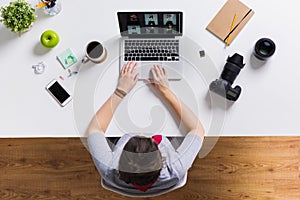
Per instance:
x=223, y=85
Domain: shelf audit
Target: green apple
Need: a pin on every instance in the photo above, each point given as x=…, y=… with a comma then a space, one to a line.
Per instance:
x=49, y=39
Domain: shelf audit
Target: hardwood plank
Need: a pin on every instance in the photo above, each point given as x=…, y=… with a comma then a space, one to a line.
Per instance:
x=254, y=157
x=237, y=168
x=287, y=189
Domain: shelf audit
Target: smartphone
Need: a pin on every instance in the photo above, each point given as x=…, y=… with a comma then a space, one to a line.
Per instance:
x=58, y=93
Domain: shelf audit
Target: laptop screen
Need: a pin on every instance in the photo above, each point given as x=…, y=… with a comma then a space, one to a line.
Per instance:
x=150, y=24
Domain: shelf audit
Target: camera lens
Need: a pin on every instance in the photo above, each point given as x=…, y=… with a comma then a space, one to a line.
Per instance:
x=232, y=68
x=264, y=48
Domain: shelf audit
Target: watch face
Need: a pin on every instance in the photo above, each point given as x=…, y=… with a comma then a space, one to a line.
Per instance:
x=39, y=68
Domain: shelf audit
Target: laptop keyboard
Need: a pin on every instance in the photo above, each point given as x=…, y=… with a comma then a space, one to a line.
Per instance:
x=151, y=50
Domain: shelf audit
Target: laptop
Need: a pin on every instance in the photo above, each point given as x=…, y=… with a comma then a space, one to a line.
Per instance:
x=151, y=38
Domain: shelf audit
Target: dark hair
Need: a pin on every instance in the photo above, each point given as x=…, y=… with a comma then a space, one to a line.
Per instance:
x=140, y=162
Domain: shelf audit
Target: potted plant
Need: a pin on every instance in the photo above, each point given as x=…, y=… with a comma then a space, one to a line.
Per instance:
x=18, y=16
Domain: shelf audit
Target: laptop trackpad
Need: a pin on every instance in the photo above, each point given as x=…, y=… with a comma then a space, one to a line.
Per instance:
x=145, y=72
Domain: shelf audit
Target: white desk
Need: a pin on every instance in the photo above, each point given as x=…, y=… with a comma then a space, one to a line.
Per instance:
x=268, y=104
x=142, y=111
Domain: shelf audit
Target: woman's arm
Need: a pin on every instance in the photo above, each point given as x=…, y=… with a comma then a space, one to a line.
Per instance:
x=188, y=118
x=103, y=116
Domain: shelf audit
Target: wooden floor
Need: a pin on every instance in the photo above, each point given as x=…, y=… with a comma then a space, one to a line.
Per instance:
x=237, y=168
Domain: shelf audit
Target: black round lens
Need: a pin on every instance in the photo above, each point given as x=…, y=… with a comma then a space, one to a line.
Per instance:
x=264, y=48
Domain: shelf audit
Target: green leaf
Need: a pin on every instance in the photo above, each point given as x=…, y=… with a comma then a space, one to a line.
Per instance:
x=18, y=16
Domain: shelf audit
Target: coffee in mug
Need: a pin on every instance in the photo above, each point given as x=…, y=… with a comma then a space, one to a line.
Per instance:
x=94, y=52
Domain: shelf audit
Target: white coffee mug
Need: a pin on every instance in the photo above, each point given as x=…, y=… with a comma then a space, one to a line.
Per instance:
x=94, y=52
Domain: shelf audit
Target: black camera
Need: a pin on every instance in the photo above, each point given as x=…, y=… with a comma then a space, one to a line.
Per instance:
x=223, y=85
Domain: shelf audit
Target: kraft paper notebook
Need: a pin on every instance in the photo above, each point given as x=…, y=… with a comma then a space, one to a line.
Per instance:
x=230, y=20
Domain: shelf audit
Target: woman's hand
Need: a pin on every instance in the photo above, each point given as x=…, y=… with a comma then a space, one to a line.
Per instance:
x=128, y=77
x=161, y=84
x=160, y=80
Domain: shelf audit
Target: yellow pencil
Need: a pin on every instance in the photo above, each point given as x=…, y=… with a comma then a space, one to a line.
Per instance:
x=40, y=5
x=231, y=28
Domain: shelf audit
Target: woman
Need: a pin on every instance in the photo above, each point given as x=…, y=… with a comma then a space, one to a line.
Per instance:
x=139, y=165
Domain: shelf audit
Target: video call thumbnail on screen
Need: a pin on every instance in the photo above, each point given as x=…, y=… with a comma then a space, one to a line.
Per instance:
x=149, y=23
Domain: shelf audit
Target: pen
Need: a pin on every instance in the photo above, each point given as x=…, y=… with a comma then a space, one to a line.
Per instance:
x=231, y=28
